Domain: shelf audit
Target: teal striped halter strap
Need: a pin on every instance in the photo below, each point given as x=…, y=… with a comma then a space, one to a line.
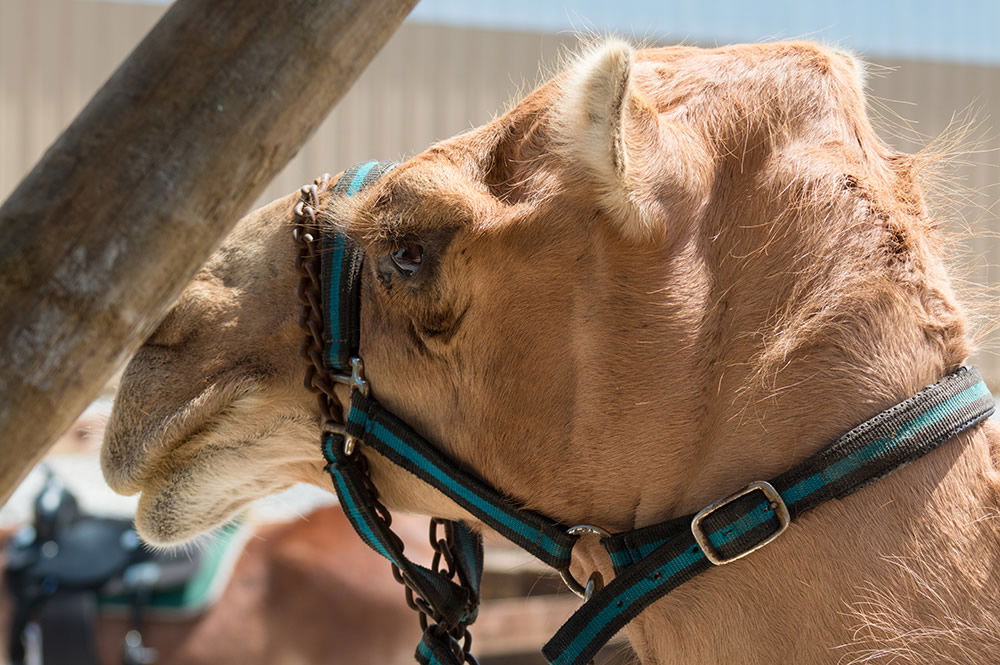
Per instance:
x=648, y=562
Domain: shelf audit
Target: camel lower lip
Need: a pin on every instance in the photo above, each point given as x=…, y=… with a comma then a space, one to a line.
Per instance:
x=165, y=515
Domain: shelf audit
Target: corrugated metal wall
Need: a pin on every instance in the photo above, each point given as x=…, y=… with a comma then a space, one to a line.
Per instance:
x=431, y=82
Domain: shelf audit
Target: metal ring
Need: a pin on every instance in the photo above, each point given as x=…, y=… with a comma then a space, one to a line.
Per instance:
x=581, y=529
x=581, y=590
x=594, y=584
x=358, y=376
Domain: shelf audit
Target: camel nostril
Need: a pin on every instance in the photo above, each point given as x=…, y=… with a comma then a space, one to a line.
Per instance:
x=204, y=304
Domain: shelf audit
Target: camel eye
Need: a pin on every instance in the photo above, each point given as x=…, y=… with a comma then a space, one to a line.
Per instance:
x=408, y=259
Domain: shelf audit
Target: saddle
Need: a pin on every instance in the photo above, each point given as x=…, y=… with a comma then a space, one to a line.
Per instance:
x=67, y=568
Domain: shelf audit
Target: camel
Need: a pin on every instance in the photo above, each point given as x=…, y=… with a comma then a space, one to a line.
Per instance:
x=660, y=276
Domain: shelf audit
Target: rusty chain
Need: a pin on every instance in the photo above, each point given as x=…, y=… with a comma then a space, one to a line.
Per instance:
x=307, y=234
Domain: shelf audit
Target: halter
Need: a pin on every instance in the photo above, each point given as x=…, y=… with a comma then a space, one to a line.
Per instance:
x=648, y=562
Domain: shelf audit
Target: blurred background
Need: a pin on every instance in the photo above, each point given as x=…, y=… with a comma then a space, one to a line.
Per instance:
x=933, y=80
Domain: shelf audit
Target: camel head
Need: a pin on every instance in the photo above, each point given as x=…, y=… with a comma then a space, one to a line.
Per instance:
x=621, y=295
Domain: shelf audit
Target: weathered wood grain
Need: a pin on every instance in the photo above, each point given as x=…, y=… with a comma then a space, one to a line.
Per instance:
x=105, y=231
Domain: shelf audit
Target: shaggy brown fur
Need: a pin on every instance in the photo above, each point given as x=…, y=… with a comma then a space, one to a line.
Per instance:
x=658, y=277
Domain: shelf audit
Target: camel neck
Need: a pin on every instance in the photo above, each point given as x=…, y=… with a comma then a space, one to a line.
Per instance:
x=911, y=559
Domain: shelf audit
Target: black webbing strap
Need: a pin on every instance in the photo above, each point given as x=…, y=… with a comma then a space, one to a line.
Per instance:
x=653, y=561
x=453, y=603
x=341, y=270
x=468, y=553
x=437, y=648
x=341, y=281
x=393, y=439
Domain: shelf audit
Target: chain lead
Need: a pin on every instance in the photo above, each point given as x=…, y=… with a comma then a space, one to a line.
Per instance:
x=318, y=379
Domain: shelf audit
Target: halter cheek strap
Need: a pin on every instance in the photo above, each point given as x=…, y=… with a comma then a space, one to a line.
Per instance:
x=649, y=562
x=447, y=598
x=341, y=284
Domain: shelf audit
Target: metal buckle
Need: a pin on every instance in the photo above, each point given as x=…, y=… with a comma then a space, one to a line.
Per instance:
x=356, y=380
x=777, y=505
x=595, y=582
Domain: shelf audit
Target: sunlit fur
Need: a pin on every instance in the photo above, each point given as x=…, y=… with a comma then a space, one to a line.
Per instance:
x=660, y=276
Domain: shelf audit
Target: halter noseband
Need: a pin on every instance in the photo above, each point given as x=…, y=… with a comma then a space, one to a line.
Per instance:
x=649, y=562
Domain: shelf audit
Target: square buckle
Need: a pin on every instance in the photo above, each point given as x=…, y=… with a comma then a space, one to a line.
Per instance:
x=777, y=505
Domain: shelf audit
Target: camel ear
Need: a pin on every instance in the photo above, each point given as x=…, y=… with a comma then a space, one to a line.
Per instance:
x=614, y=131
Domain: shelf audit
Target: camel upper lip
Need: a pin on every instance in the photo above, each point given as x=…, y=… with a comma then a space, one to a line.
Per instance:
x=130, y=455
x=143, y=431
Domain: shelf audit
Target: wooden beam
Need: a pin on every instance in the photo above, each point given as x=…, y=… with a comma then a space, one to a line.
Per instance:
x=109, y=226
